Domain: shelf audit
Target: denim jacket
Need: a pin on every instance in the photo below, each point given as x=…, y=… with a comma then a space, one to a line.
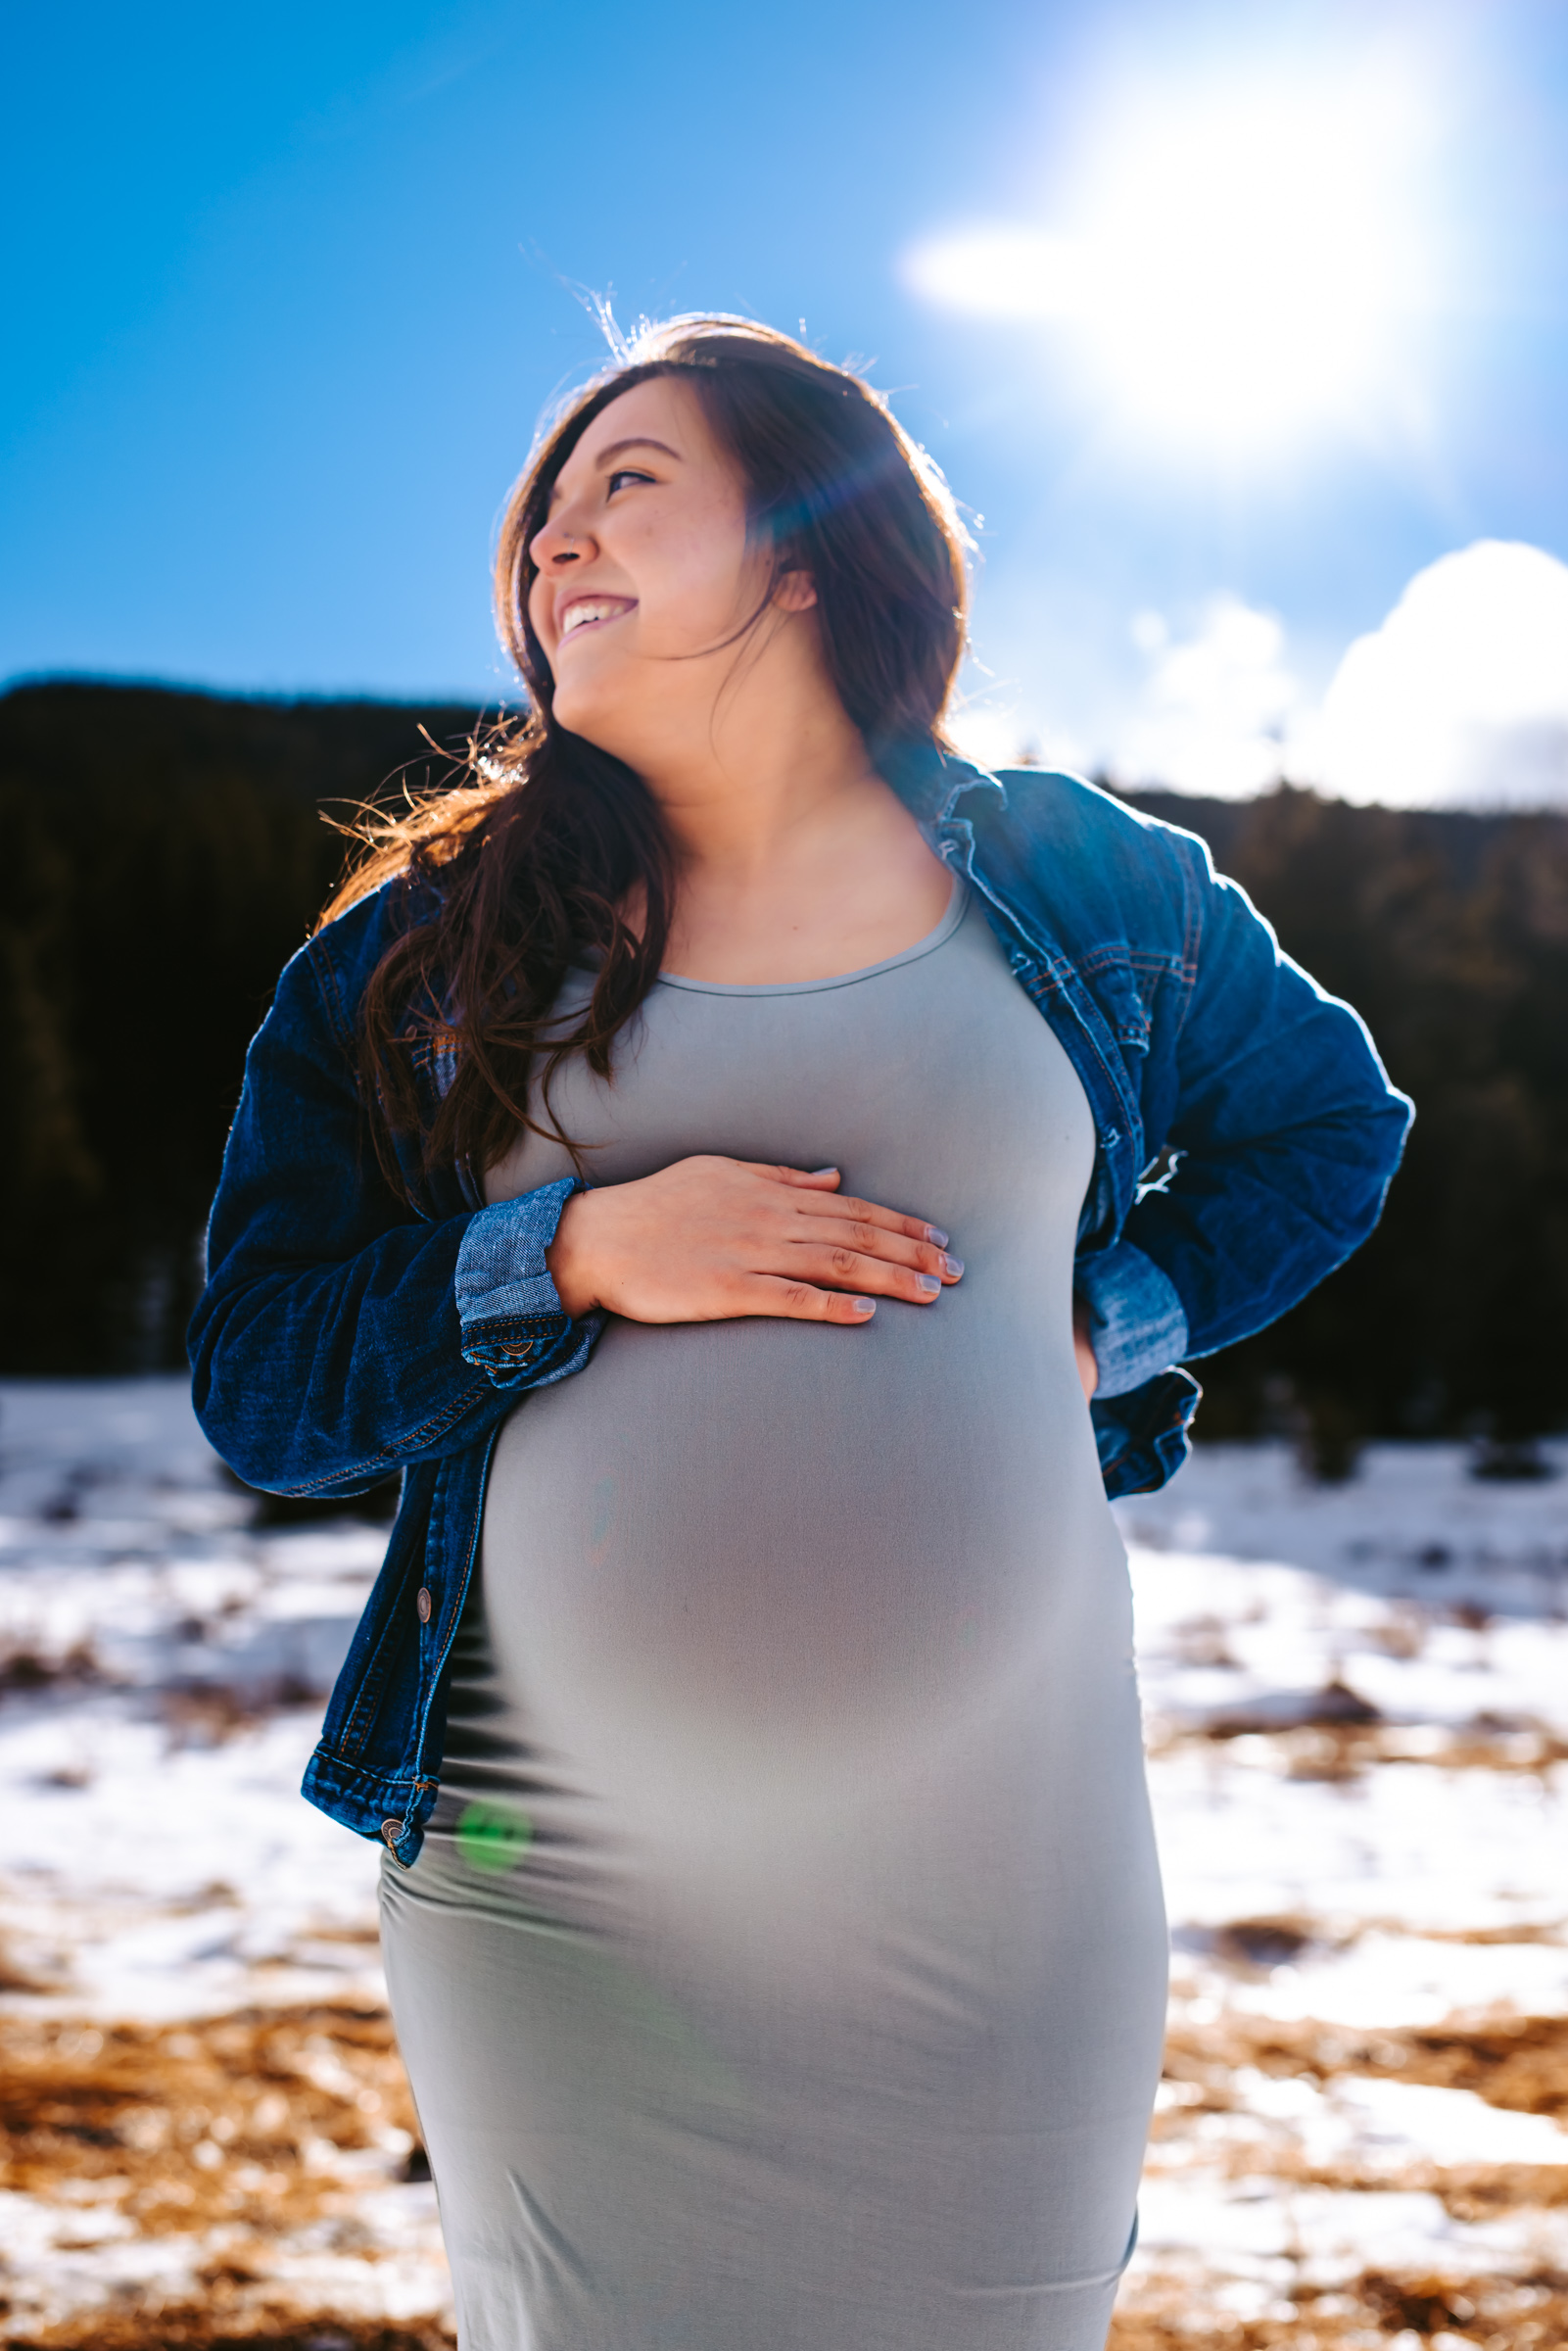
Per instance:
x=1246, y=1134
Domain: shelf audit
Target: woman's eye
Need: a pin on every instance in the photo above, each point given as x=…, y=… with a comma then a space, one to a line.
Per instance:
x=626, y=474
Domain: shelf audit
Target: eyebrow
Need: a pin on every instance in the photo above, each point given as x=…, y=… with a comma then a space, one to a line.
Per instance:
x=618, y=448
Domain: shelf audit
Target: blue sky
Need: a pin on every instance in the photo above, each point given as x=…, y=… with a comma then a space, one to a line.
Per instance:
x=291, y=288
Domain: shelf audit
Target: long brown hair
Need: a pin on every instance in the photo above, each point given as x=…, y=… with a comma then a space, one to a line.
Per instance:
x=521, y=867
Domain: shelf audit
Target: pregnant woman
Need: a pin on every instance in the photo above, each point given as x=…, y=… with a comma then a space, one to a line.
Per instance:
x=714, y=1152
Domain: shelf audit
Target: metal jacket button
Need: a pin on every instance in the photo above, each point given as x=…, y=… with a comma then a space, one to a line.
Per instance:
x=424, y=1604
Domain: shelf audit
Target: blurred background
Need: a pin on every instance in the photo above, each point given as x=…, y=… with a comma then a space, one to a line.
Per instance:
x=1242, y=335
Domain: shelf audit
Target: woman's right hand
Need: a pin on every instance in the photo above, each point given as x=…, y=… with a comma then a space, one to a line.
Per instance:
x=709, y=1239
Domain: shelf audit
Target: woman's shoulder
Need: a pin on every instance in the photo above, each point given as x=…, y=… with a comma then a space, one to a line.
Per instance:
x=347, y=934
x=324, y=982
x=344, y=951
x=1053, y=805
x=1085, y=855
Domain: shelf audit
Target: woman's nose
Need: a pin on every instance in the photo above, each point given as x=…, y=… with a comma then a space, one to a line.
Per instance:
x=556, y=545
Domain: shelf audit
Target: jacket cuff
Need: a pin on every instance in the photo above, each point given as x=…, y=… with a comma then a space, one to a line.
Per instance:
x=1142, y=1438
x=514, y=1326
x=1140, y=1326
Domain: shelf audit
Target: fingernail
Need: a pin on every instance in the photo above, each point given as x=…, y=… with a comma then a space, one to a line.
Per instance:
x=937, y=1236
x=865, y=1306
x=929, y=1283
x=952, y=1267
x=834, y=1171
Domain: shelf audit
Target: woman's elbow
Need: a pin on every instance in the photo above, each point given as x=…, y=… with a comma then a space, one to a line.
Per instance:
x=1382, y=1134
x=238, y=1398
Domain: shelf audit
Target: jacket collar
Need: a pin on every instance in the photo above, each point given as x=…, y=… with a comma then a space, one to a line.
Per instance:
x=930, y=782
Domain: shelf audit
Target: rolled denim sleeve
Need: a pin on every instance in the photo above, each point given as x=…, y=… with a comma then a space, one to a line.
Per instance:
x=330, y=1347
x=514, y=1325
x=1140, y=1324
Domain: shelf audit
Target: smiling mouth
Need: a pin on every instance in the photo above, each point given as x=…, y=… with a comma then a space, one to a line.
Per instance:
x=593, y=611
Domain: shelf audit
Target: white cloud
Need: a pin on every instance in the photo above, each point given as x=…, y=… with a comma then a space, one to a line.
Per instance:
x=1460, y=699
x=1215, y=706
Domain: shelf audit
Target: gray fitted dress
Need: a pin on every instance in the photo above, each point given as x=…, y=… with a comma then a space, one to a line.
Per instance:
x=785, y=1968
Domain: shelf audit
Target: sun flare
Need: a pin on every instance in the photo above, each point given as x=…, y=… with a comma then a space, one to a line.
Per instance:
x=1232, y=264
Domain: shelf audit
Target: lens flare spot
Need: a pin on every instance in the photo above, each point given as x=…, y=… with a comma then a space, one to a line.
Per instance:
x=491, y=1838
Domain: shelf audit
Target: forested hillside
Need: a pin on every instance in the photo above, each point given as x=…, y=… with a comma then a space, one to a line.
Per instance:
x=1450, y=935
x=164, y=853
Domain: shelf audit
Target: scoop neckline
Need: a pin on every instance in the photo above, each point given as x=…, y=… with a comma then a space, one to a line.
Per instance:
x=957, y=908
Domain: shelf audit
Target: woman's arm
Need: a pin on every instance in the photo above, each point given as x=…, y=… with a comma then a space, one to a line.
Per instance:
x=1286, y=1132
x=339, y=1335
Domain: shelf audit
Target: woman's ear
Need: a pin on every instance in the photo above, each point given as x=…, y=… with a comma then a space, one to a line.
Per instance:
x=796, y=591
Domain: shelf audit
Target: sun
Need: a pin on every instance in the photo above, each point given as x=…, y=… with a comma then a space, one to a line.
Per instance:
x=1234, y=263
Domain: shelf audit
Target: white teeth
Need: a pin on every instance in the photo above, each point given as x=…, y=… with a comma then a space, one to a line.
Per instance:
x=579, y=613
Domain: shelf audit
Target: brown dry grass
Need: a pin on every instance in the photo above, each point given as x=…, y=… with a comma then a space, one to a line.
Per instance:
x=1334, y=1739
x=1524, y=2314
x=1366, y=2315
x=1519, y=2062
x=1515, y=2062
x=241, y=2124
x=223, y=2120
x=236, y=2122
x=204, y=2328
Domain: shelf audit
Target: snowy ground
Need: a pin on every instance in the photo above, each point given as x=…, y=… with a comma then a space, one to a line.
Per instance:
x=1357, y=1713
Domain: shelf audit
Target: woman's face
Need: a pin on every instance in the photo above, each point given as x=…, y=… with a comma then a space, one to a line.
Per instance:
x=646, y=574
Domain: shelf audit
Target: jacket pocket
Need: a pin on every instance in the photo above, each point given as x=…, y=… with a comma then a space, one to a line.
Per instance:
x=1119, y=990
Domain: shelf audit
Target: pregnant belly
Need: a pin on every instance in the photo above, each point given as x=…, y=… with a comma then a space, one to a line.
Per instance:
x=740, y=1547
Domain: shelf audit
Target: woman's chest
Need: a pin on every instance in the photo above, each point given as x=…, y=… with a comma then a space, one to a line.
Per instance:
x=932, y=1082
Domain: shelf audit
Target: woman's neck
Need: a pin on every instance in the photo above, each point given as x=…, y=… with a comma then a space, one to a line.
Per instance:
x=799, y=870
x=794, y=858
